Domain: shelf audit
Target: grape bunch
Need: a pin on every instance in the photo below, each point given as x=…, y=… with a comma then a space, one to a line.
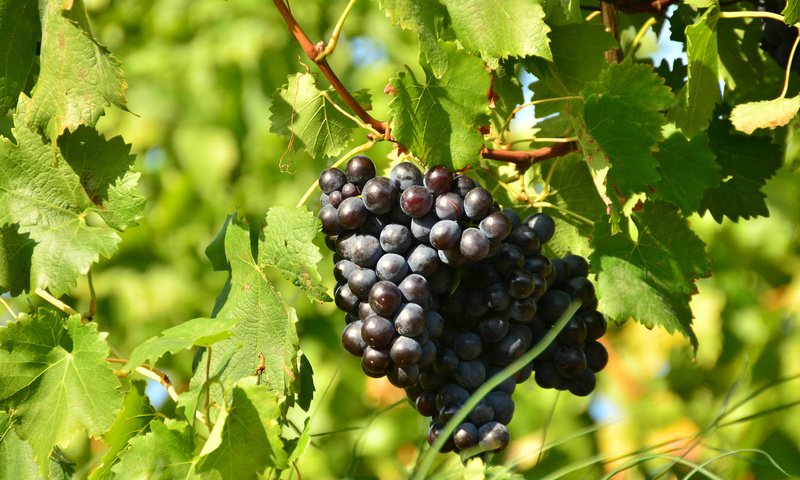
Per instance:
x=778, y=37
x=442, y=289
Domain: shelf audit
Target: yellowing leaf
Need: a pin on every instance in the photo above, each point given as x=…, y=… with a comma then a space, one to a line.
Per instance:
x=747, y=117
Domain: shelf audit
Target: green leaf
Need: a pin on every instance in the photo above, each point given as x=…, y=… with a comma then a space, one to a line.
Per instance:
x=650, y=280
x=78, y=77
x=562, y=12
x=15, y=260
x=131, y=421
x=266, y=323
x=747, y=117
x=165, y=452
x=16, y=455
x=791, y=12
x=301, y=111
x=200, y=332
x=687, y=169
x=500, y=28
x=71, y=205
x=248, y=440
x=421, y=16
x=438, y=119
x=20, y=30
x=288, y=246
x=506, y=93
x=622, y=113
x=746, y=163
x=305, y=385
x=701, y=92
x=54, y=375
x=578, y=57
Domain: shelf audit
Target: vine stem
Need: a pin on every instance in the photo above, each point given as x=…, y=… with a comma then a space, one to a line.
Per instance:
x=207, y=405
x=753, y=14
x=153, y=374
x=426, y=460
x=92, y=297
x=640, y=34
x=789, y=64
x=337, y=30
x=525, y=158
x=56, y=302
x=608, y=12
x=8, y=307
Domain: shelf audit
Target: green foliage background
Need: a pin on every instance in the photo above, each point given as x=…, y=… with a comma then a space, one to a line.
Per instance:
x=201, y=77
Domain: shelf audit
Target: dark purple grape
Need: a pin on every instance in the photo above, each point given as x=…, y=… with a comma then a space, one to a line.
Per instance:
x=562, y=273
x=403, y=377
x=376, y=360
x=364, y=310
x=384, y=298
x=596, y=325
x=470, y=374
x=406, y=174
x=493, y=436
x=481, y=413
x=507, y=258
x=578, y=265
x=462, y=184
x=415, y=290
x=543, y=225
x=410, y=320
x=433, y=434
x=363, y=250
x=574, y=332
x=346, y=300
x=493, y=328
x=352, y=340
x=546, y=376
x=451, y=394
x=524, y=238
x=428, y=354
x=512, y=216
x=452, y=257
x=445, y=234
x=343, y=269
x=465, y=436
x=512, y=346
x=434, y=323
x=503, y=406
x=430, y=380
x=349, y=191
x=405, y=351
x=377, y=331
x=423, y=260
x=421, y=227
x=468, y=346
x=581, y=288
x=379, y=195
x=540, y=265
x=497, y=297
x=438, y=180
x=426, y=404
x=335, y=198
x=583, y=384
x=395, y=238
x=474, y=245
x=447, y=412
x=449, y=206
x=519, y=283
x=330, y=243
x=398, y=216
x=328, y=216
x=352, y=213
x=392, y=267
x=477, y=203
x=552, y=305
x=596, y=355
x=570, y=361
x=446, y=361
x=524, y=373
x=331, y=180
x=496, y=226
x=416, y=201
x=361, y=281
x=523, y=311
x=359, y=170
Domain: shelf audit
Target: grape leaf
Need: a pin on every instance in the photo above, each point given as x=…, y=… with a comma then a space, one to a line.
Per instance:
x=622, y=113
x=698, y=97
x=506, y=93
x=650, y=280
x=420, y=16
x=166, y=451
x=266, y=323
x=578, y=57
x=247, y=436
x=54, y=375
x=20, y=30
x=746, y=163
x=791, y=12
x=78, y=77
x=747, y=117
x=500, y=28
x=16, y=455
x=15, y=259
x=71, y=209
x=132, y=420
x=438, y=119
x=687, y=169
x=562, y=12
x=201, y=332
x=288, y=246
x=307, y=114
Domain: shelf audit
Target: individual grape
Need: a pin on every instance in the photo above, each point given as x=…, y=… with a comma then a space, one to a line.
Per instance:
x=468, y=346
x=392, y=267
x=426, y=404
x=519, y=283
x=430, y=380
x=543, y=225
x=331, y=180
x=445, y=234
x=433, y=434
x=324, y=201
x=398, y=216
x=462, y=184
x=596, y=355
x=405, y=351
x=395, y=238
x=465, y=436
x=573, y=333
x=570, y=361
x=452, y=257
x=497, y=297
x=403, y=377
x=524, y=373
x=581, y=288
x=352, y=213
x=477, y=203
x=343, y=269
x=369, y=373
x=361, y=281
x=428, y=354
x=410, y=320
x=512, y=217
x=562, y=273
x=578, y=265
x=481, y=413
x=441, y=280
x=512, y=346
x=379, y=195
x=363, y=250
x=352, y=340
x=596, y=325
x=446, y=361
x=423, y=260
x=493, y=328
x=335, y=198
x=523, y=311
x=524, y=238
x=496, y=226
x=474, y=245
x=479, y=276
x=470, y=373
x=507, y=258
x=349, y=191
x=447, y=412
x=364, y=310
x=438, y=180
x=416, y=201
x=540, y=265
x=346, y=300
x=385, y=298
x=451, y=394
x=421, y=227
x=583, y=384
x=328, y=216
x=552, y=305
x=377, y=331
x=330, y=242
x=415, y=289
x=406, y=174
x=359, y=170
x=493, y=436
x=434, y=323
x=503, y=406
x=546, y=376
x=449, y=206
x=376, y=360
